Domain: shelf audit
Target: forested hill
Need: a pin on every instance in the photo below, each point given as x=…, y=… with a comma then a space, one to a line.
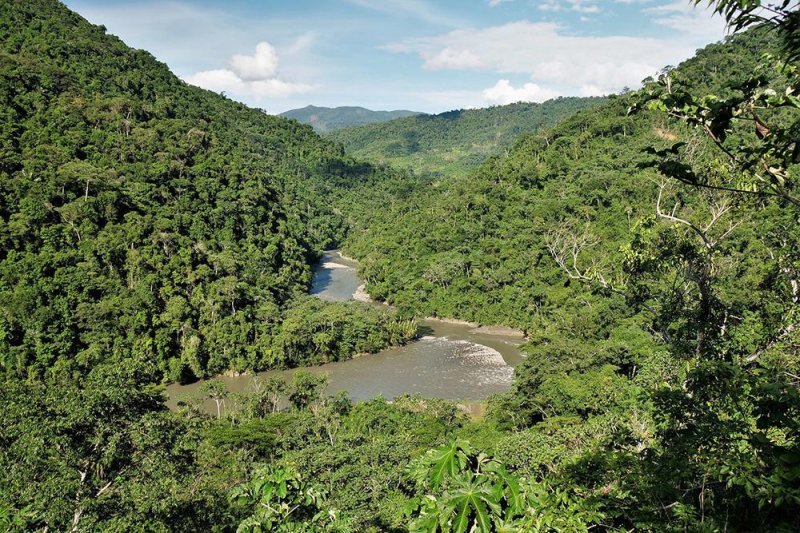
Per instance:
x=478, y=246
x=649, y=246
x=454, y=142
x=141, y=217
x=656, y=310
x=325, y=119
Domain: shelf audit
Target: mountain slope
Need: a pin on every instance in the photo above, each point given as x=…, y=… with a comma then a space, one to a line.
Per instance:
x=474, y=246
x=143, y=217
x=457, y=141
x=649, y=306
x=326, y=119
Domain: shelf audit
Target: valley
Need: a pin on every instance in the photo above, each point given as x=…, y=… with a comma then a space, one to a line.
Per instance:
x=448, y=361
x=573, y=315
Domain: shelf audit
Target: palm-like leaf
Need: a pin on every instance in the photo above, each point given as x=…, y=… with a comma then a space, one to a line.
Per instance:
x=471, y=502
x=438, y=464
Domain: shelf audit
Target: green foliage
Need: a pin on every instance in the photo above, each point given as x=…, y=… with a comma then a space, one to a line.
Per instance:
x=357, y=454
x=142, y=217
x=781, y=15
x=477, y=493
x=217, y=391
x=761, y=158
x=100, y=454
x=325, y=119
x=627, y=287
x=455, y=142
x=306, y=388
x=315, y=332
x=723, y=430
x=264, y=397
x=438, y=464
x=279, y=499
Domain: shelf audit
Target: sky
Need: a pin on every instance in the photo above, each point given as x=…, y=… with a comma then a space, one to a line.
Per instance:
x=421, y=55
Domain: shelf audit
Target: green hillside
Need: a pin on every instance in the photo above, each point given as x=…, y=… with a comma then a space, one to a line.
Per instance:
x=639, y=324
x=454, y=142
x=326, y=119
x=142, y=217
x=649, y=245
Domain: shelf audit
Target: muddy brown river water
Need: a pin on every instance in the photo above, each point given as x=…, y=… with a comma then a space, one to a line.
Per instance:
x=450, y=361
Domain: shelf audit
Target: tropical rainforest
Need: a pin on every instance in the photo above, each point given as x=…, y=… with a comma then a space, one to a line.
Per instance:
x=648, y=244
x=326, y=119
x=455, y=142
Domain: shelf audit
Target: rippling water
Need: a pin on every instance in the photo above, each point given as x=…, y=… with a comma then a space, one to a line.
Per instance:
x=451, y=361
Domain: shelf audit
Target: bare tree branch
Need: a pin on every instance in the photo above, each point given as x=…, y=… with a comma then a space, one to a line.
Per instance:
x=566, y=247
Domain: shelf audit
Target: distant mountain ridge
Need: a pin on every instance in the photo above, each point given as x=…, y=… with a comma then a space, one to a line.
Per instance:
x=455, y=142
x=325, y=119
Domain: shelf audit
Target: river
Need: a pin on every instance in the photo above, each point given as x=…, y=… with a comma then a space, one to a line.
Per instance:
x=453, y=361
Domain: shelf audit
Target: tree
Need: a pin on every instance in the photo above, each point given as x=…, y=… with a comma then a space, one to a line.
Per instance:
x=718, y=426
x=306, y=388
x=782, y=16
x=264, y=396
x=216, y=390
x=329, y=412
x=99, y=453
x=762, y=165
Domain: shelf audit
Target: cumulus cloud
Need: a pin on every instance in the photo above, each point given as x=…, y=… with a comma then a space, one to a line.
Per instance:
x=554, y=59
x=504, y=93
x=260, y=66
x=253, y=76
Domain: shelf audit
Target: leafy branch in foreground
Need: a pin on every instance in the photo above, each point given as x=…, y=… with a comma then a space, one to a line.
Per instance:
x=754, y=126
x=755, y=161
x=477, y=493
x=781, y=15
x=279, y=499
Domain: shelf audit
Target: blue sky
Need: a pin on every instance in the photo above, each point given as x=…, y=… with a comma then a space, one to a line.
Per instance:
x=422, y=55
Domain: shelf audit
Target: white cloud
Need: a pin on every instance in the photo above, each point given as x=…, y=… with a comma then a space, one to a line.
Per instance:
x=252, y=76
x=504, y=93
x=592, y=90
x=552, y=5
x=259, y=66
x=302, y=43
x=685, y=18
x=190, y=37
x=223, y=80
x=449, y=58
x=584, y=7
x=554, y=59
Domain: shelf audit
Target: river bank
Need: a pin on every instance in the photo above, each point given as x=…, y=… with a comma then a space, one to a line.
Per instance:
x=361, y=295
x=452, y=360
x=477, y=328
